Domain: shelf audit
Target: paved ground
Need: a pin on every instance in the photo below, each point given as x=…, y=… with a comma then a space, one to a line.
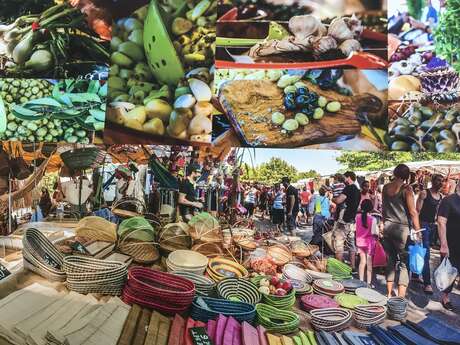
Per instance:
x=420, y=303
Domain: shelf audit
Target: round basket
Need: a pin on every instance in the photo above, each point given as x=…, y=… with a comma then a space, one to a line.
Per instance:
x=220, y=268
x=349, y=301
x=204, y=286
x=41, y=256
x=330, y=319
x=205, y=228
x=137, y=240
x=96, y=228
x=277, y=321
x=327, y=287
x=280, y=254
x=82, y=158
x=174, y=236
x=315, y=264
x=302, y=249
x=187, y=260
x=280, y=302
x=208, y=249
x=207, y=308
x=294, y=272
x=128, y=208
x=370, y=295
x=369, y=315
x=311, y=302
x=164, y=292
x=240, y=290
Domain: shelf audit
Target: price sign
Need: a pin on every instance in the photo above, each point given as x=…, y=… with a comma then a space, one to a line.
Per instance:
x=199, y=336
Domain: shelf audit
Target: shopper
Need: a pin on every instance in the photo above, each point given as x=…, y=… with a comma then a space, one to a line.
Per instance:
x=305, y=196
x=399, y=213
x=278, y=207
x=45, y=202
x=250, y=199
x=427, y=207
x=188, y=202
x=366, y=231
x=449, y=235
x=320, y=209
x=292, y=204
x=344, y=232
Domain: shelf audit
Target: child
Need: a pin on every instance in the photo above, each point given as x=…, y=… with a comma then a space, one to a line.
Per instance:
x=366, y=238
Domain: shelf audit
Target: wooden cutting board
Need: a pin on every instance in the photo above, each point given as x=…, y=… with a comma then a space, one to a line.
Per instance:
x=249, y=104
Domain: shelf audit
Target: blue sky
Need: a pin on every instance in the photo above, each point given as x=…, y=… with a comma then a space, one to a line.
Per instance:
x=323, y=161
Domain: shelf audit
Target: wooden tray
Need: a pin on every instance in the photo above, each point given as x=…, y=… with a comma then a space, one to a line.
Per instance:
x=242, y=99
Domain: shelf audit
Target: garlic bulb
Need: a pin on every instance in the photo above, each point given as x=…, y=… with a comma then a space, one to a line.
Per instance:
x=306, y=25
x=354, y=25
x=324, y=44
x=339, y=30
x=349, y=46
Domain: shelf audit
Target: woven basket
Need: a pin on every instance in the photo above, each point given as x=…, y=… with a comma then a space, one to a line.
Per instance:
x=41, y=256
x=208, y=249
x=164, y=292
x=293, y=272
x=302, y=249
x=82, y=158
x=241, y=290
x=137, y=239
x=128, y=207
x=207, y=308
x=330, y=319
x=280, y=254
x=174, y=236
x=204, y=286
x=206, y=229
x=275, y=320
x=220, y=268
x=316, y=264
x=96, y=228
x=88, y=275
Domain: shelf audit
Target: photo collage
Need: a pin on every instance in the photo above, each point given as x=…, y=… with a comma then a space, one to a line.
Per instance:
x=229, y=172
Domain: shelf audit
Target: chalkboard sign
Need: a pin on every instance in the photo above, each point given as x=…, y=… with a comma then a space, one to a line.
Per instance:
x=199, y=336
x=4, y=272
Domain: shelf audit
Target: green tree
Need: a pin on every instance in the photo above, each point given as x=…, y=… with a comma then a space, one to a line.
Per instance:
x=415, y=8
x=270, y=172
x=307, y=174
x=382, y=160
x=447, y=34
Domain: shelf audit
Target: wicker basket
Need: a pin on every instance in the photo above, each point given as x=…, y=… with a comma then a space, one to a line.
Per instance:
x=96, y=228
x=41, y=256
x=82, y=158
x=302, y=249
x=208, y=249
x=315, y=263
x=206, y=230
x=241, y=290
x=206, y=308
x=174, y=236
x=280, y=254
x=128, y=207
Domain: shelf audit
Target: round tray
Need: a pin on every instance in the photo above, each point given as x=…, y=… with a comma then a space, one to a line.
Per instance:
x=310, y=302
x=370, y=295
x=349, y=301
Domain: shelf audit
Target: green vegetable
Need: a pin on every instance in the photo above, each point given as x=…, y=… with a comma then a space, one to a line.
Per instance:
x=40, y=61
x=3, y=117
x=333, y=107
x=318, y=114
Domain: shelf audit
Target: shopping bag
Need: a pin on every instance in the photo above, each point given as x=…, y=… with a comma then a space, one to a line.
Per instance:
x=445, y=274
x=380, y=256
x=416, y=258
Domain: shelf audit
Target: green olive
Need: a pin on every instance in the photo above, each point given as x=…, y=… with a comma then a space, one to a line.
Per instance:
x=445, y=146
x=429, y=145
x=401, y=132
x=278, y=118
x=400, y=146
x=415, y=119
x=402, y=122
x=333, y=107
x=290, y=125
x=426, y=111
x=446, y=134
x=318, y=114
x=415, y=147
x=302, y=119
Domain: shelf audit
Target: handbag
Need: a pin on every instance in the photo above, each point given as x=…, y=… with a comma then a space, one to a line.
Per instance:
x=416, y=258
x=380, y=256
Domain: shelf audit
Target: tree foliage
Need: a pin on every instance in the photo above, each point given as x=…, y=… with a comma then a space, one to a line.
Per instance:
x=381, y=160
x=273, y=171
x=415, y=8
x=447, y=34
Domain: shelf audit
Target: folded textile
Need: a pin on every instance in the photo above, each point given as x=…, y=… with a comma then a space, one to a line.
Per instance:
x=437, y=330
x=410, y=337
x=381, y=336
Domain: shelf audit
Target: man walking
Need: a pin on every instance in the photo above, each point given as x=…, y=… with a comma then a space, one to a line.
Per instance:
x=292, y=204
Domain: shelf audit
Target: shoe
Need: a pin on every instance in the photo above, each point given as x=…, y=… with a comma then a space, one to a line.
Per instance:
x=428, y=290
x=447, y=305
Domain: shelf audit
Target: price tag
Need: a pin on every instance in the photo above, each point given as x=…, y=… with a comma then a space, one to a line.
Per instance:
x=199, y=336
x=4, y=272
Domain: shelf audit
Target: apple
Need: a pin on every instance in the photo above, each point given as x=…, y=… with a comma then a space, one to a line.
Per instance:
x=287, y=285
x=280, y=292
x=274, y=280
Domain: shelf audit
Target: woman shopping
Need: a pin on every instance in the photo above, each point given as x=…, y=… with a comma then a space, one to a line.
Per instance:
x=320, y=209
x=399, y=214
x=366, y=238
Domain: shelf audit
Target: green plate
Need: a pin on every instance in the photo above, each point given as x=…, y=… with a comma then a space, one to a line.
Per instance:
x=349, y=301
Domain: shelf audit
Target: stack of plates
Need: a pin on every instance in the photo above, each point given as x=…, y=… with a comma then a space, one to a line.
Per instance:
x=311, y=302
x=349, y=301
x=293, y=272
x=203, y=285
x=187, y=260
x=240, y=290
x=369, y=315
x=371, y=296
x=351, y=285
x=327, y=287
x=397, y=308
x=330, y=319
x=220, y=268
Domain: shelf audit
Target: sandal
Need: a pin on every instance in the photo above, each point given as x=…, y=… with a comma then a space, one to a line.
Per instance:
x=447, y=305
x=428, y=290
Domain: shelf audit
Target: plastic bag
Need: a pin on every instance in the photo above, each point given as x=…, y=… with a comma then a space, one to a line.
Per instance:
x=416, y=258
x=380, y=256
x=445, y=274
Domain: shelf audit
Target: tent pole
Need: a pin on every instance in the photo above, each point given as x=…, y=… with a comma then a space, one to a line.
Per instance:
x=10, y=204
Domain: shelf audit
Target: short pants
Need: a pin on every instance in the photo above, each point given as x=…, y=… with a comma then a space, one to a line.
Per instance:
x=344, y=237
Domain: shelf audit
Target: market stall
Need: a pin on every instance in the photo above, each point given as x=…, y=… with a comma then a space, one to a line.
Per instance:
x=156, y=279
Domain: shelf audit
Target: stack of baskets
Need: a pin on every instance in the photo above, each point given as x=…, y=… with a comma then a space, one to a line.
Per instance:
x=164, y=292
x=312, y=302
x=88, y=275
x=241, y=290
x=330, y=319
x=220, y=268
x=41, y=256
x=293, y=272
x=206, y=308
x=277, y=321
x=187, y=260
x=204, y=286
x=280, y=302
x=369, y=315
x=397, y=308
x=137, y=240
x=327, y=287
